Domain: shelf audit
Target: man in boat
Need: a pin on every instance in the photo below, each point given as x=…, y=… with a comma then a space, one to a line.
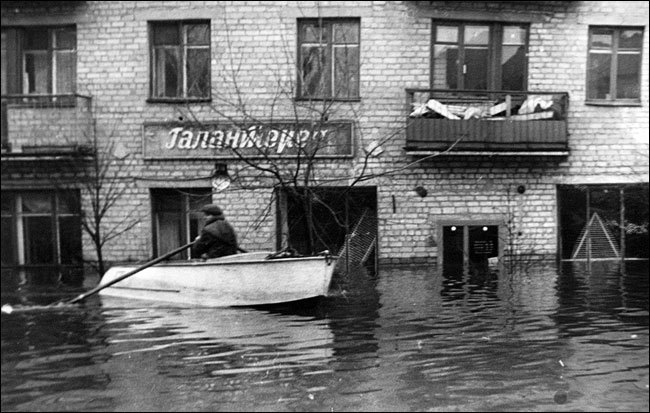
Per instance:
x=217, y=238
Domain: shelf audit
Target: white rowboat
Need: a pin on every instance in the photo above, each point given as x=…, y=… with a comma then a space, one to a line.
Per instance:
x=235, y=280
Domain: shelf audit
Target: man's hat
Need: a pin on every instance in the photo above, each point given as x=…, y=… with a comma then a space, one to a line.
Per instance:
x=211, y=209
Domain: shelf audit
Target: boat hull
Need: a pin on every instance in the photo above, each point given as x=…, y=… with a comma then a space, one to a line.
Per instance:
x=237, y=280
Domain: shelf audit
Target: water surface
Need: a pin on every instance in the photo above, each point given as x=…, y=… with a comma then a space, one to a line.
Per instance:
x=405, y=340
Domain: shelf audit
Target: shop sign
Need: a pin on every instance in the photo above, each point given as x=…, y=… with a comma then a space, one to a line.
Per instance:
x=276, y=139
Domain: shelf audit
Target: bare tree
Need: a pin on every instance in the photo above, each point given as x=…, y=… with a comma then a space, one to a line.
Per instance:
x=283, y=138
x=103, y=179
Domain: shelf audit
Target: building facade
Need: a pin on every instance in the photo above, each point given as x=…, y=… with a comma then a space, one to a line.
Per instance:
x=425, y=132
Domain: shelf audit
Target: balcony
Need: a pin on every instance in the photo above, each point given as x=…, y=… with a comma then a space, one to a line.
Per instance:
x=486, y=123
x=46, y=126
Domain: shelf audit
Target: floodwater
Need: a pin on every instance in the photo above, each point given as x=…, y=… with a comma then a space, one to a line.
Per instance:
x=404, y=340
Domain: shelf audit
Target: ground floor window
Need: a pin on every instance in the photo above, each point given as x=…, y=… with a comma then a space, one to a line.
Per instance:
x=41, y=228
x=603, y=222
x=177, y=218
x=340, y=220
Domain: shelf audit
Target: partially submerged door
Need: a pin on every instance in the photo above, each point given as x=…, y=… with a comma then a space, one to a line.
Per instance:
x=472, y=247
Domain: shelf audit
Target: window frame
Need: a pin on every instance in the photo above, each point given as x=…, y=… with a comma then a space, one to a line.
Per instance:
x=614, y=51
x=17, y=216
x=182, y=72
x=495, y=51
x=17, y=51
x=185, y=215
x=326, y=22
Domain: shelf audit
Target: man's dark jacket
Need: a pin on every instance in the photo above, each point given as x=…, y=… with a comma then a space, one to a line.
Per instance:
x=217, y=239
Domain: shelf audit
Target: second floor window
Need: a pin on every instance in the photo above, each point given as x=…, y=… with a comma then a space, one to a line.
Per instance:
x=482, y=56
x=614, y=64
x=39, y=60
x=328, y=60
x=180, y=60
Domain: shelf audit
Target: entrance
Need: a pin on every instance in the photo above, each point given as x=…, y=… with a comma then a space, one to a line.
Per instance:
x=340, y=220
x=472, y=248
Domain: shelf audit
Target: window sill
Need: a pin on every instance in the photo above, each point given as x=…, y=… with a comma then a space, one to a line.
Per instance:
x=613, y=103
x=308, y=99
x=178, y=100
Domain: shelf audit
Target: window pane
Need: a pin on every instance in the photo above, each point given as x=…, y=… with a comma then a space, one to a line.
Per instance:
x=70, y=240
x=477, y=34
x=7, y=203
x=168, y=201
x=68, y=202
x=36, y=73
x=448, y=34
x=636, y=221
x=166, y=72
x=198, y=72
x=627, y=76
x=476, y=63
x=39, y=240
x=514, y=35
x=445, y=64
x=601, y=38
x=198, y=34
x=631, y=39
x=37, y=203
x=346, y=32
x=4, y=63
x=513, y=67
x=165, y=34
x=346, y=71
x=65, y=72
x=314, y=78
x=8, y=255
x=312, y=33
x=599, y=76
x=36, y=39
x=65, y=39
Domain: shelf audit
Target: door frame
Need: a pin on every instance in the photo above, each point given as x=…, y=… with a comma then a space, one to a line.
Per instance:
x=465, y=223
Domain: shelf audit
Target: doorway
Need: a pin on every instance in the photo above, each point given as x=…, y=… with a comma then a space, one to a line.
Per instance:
x=473, y=247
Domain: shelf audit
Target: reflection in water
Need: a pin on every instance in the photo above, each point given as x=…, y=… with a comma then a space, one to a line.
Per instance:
x=406, y=339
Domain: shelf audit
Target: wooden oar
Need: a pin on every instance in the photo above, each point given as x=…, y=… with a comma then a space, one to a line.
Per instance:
x=130, y=273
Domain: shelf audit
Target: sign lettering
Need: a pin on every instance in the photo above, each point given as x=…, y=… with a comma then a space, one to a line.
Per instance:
x=173, y=140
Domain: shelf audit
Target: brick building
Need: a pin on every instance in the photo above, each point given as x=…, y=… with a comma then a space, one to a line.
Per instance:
x=479, y=129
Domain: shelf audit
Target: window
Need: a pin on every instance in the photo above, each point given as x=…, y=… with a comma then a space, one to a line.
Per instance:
x=614, y=66
x=479, y=56
x=177, y=217
x=180, y=60
x=41, y=228
x=329, y=58
x=39, y=60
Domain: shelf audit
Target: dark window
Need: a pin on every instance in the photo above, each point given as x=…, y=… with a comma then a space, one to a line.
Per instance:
x=177, y=217
x=614, y=66
x=41, y=228
x=328, y=58
x=180, y=60
x=39, y=60
x=603, y=221
x=482, y=56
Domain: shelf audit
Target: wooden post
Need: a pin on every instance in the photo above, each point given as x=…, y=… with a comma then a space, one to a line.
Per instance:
x=622, y=226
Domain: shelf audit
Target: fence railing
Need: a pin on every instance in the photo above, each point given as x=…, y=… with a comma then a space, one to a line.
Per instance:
x=480, y=120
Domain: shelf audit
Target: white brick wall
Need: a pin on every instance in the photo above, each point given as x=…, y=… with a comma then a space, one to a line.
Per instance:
x=607, y=144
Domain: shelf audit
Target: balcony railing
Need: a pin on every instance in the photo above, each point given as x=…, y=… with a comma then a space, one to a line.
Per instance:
x=475, y=122
x=43, y=125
